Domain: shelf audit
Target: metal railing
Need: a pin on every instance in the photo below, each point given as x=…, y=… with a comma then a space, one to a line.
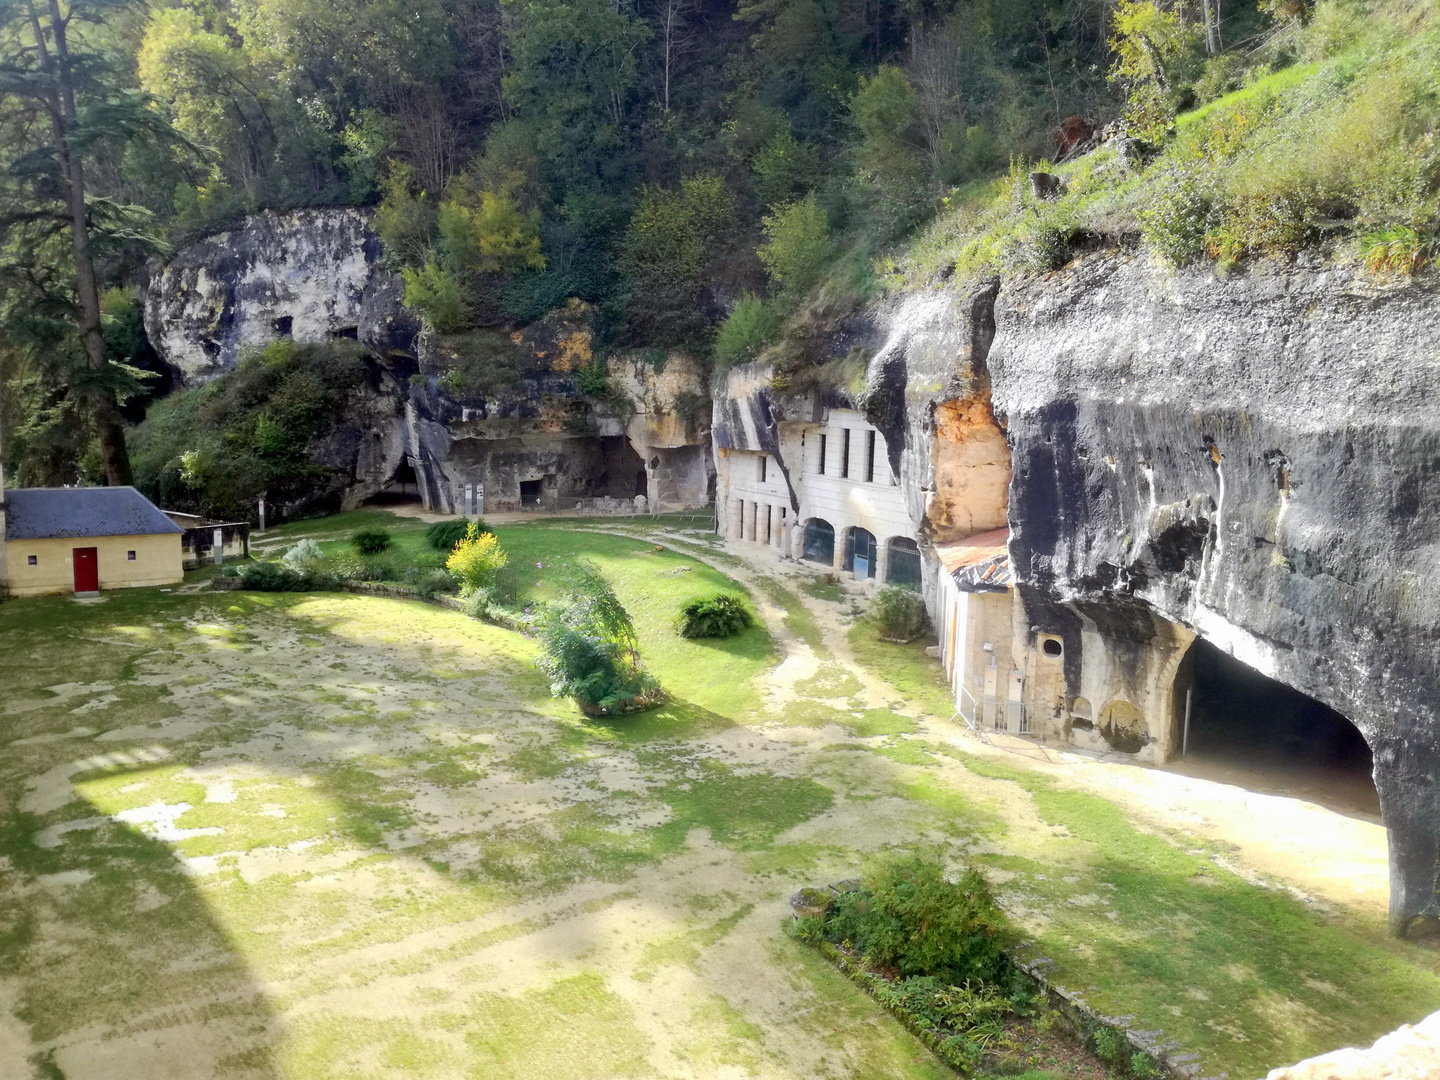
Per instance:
x=987, y=714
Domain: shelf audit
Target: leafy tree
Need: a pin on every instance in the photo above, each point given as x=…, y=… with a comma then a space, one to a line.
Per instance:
x=65, y=108
x=797, y=246
x=891, y=153
x=785, y=169
x=665, y=254
x=1152, y=47
x=573, y=76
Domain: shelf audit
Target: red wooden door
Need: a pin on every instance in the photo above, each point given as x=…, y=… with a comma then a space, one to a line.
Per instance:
x=87, y=570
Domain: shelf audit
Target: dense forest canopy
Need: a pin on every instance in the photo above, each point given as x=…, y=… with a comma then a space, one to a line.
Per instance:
x=693, y=169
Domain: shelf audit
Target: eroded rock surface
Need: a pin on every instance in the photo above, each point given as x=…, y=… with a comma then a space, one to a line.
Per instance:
x=1411, y=1052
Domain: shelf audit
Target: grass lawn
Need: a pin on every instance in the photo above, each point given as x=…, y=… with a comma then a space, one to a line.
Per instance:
x=308, y=836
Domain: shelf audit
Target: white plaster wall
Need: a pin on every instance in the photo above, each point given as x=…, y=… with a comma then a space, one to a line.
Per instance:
x=851, y=501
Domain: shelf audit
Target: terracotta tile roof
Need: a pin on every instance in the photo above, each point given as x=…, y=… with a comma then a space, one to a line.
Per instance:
x=49, y=513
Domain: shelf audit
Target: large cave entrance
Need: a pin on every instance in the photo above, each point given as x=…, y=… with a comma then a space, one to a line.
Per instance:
x=1252, y=731
x=403, y=488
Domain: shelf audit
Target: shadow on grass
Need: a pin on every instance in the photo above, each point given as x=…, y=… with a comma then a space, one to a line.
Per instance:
x=141, y=949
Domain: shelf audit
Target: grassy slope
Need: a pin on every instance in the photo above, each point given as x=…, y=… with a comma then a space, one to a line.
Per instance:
x=1347, y=130
x=393, y=738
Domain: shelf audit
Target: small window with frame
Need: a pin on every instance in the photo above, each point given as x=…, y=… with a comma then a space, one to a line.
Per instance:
x=130, y=556
x=33, y=560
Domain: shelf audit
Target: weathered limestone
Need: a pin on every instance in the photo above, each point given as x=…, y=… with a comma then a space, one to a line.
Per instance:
x=1411, y=1052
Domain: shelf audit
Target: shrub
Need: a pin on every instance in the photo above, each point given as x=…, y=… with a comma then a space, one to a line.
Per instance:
x=908, y=916
x=1143, y=1067
x=899, y=614
x=305, y=553
x=444, y=535
x=719, y=616
x=589, y=650
x=370, y=541
x=477, y=558
x=1108, y=1044
x=277, y=577
x=751, y=325
x=353, y=567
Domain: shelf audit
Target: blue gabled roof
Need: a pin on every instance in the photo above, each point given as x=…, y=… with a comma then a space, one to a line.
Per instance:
x=51, y=513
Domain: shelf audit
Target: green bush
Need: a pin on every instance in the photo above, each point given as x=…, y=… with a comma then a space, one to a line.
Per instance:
x=1143, y=1067
x=444, y=535
x=1109, y=1044
x=370, y=541
x=909, y=917
x=797, y=246
x=899, y=614
x=720, y=616
x=751, y=325
x=589, y=650
x=277, y=577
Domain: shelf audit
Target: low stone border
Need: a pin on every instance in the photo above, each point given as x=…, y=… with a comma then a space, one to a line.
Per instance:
x=1078, y=1018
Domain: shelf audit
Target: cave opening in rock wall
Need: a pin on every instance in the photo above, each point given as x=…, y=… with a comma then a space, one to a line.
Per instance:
x=404, y=487
x=1251, y=730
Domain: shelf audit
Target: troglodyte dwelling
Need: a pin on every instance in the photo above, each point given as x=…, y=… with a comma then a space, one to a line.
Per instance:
x=83, y=540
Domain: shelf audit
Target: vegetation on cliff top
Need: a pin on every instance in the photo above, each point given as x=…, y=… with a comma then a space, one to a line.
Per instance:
x=717, y=176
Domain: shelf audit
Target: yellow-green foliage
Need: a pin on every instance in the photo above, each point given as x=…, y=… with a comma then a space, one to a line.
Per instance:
x=1150, y=44
x=1340, y=148
x=797, y=245
x=477, y=559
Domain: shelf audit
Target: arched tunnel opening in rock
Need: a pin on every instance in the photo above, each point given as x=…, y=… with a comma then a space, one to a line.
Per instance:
x=403, y=488
x=1248, y=729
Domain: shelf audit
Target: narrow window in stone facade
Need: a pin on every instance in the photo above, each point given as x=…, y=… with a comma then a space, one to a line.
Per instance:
x=845, y=452
x=763, y=461
x=823, y=440
x=869, y=457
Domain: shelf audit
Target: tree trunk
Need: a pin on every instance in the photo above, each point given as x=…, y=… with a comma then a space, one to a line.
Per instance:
x=61, y=106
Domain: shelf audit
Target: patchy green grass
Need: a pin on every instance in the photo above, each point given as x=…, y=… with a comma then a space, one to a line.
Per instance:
x=355, y=836
x=919, y=679
x=1150, y=925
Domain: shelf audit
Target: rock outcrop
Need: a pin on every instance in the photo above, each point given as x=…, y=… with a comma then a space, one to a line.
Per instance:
x=496, y=418
x=307, y=274
x=1411, y=1052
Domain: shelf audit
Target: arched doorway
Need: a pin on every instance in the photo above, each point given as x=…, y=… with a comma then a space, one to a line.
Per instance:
x=861, y=552
x=903, y=566
x=819, y=542
x=1251, y=730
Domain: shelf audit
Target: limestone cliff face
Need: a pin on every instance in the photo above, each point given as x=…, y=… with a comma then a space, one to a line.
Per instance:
x=505, y=413
x=1256, y=458
x=1253, y=459
x=308, y=274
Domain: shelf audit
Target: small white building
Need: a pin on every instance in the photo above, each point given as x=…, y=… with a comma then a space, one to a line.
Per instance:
x=974, y=621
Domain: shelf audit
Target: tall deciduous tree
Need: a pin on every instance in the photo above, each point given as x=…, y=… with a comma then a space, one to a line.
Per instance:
x=62, y=105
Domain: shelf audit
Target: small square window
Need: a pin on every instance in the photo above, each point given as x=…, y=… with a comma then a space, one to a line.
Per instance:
x=33, y=560
x=130, y=555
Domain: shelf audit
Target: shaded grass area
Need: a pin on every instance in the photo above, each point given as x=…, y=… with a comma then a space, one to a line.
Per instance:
x=1249, y=976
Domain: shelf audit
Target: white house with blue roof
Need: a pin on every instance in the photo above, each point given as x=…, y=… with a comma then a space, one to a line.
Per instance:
x=84, y=540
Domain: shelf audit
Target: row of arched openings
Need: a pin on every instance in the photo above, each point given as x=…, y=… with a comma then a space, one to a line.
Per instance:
x=862, y=553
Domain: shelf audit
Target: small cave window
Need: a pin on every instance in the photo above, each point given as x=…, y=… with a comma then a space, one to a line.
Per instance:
x=346, y=333
x=130, y=556
x=1081, y=713
x=284, y=325
x=1052, y=648
x=761, y=466
x=33, y=560
x=530, y=492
